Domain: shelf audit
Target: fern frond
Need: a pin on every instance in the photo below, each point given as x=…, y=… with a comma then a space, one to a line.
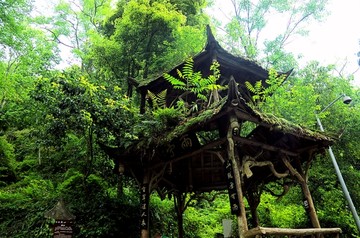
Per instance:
x=202, y=97
x=174, y=81
x=188, y=68
x=215, y=87
x=180, y=74
x=258, y=86
x=158, y=100
x=161, y=98
x=250, y=87
x=194, y=82
x=152, y=97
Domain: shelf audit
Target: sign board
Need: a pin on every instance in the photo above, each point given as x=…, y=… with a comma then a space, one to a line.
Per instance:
x=64, y=220
x=227, y=227
x=234, y=200
x=144, y=209
x=63, y=229
x=180, y=146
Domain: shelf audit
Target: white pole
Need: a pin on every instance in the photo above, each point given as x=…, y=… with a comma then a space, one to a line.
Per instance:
x=341, y=180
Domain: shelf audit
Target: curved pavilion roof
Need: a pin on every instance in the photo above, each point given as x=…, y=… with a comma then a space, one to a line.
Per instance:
x=239, y=68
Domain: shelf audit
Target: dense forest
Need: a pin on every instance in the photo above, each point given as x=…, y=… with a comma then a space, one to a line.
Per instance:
x=52, y=118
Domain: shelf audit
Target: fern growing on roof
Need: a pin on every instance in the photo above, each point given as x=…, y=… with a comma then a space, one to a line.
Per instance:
x=159, y=99
x=191, y=81
x=261, y=92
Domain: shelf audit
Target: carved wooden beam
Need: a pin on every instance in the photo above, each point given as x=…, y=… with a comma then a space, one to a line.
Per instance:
x=190, y=154
x=251, y=162
x=293, y=171
x=264, y=146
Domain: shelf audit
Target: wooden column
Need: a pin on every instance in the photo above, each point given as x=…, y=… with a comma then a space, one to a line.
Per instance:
x=179, y=202
x=302, y=180
x=144, y=207
x=234, y=129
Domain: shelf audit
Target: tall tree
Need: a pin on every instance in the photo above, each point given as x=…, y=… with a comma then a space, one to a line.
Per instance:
x=260, y=30
x=150, y=37
x=72, y=24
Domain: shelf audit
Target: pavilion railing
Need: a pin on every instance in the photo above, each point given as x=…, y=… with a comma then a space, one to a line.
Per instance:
x=285, y=232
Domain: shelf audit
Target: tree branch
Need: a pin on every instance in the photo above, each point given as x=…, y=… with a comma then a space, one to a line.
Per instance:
x=57, y=39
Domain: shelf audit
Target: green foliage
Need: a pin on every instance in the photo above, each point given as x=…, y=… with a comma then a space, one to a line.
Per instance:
x=190, y=81
x=204, y=217
x=163, y=216
x=73, y=24
x=138, y=31
x=12, y=15
x=168, y=116
x=263, y=92
x=285, y=213
x=133, y=32
x=7, y=162
x=50, y=121
x=22, y=208
x=158, y=100
x=246, y=28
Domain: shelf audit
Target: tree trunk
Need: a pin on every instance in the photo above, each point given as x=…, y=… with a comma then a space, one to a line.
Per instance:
x=180, y=225
x=120, y=187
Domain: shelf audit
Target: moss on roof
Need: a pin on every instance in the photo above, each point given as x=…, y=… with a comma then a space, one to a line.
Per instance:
x=289, y=127
x=189, y=122
x=196, y=121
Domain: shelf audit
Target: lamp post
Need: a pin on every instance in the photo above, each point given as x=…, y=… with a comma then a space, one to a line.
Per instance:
x=346, y=100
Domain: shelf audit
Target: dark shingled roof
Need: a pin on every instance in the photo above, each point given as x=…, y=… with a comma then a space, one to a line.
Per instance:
x=230, y=66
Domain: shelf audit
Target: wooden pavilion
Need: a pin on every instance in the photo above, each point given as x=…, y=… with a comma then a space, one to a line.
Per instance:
x=228, y=145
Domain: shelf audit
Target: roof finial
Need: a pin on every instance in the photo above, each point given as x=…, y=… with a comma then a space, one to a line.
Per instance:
x=211, y=42
x=210, y=36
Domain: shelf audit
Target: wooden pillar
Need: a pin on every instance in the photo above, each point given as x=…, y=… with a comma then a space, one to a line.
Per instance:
x=179, y=202
x=144, y=207
x=234, y=129
x=302, y=180
x=312, y=212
